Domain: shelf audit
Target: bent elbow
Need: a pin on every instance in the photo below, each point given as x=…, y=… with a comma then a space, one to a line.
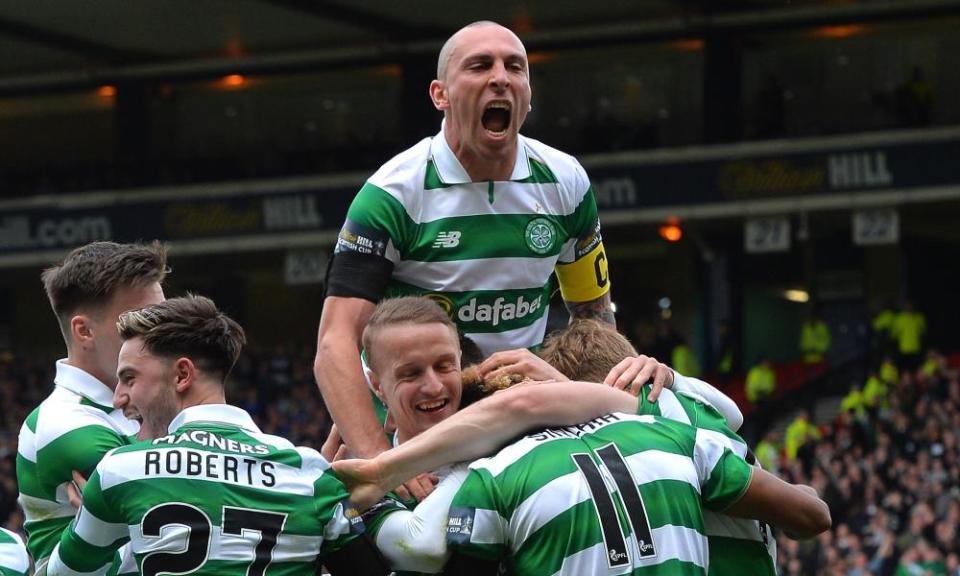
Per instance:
x=432, y=554
x=822, y=520
x=415, y=551
x=816, y=521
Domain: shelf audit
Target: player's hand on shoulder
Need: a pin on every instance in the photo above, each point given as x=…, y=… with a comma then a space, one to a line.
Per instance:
x=631, y=373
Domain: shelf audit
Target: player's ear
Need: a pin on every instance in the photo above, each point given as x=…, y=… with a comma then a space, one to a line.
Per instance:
x=184, y=374
x=438, y=94
x=375, y=384
x=81, y=330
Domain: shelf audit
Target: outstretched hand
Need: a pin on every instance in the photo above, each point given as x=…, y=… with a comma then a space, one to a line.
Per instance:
x=633, y=372
x=367, y=485
x=363, y=479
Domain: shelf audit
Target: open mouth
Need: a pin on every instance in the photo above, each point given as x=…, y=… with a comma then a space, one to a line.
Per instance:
x=496, y=117
x=433, y=406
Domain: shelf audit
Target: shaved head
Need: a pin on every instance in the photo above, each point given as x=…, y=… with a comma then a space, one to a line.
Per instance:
x=451, y=44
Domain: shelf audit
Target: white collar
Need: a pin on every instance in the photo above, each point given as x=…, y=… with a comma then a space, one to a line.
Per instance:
x=452, y=172
x=81, y=382
x=214, y=413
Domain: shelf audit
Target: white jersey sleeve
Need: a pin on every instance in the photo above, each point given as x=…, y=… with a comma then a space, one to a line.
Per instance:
x=416, y=540
x=13, y=554
x=700, y=390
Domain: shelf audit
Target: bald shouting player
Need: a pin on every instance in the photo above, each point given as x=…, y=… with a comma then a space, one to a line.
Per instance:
x=477, y=218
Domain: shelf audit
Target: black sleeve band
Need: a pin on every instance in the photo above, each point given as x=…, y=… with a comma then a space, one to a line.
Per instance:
x=359, y=557
x=463, y=565
x=356, y=275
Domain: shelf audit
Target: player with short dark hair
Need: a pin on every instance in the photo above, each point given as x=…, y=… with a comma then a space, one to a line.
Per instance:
x=210, y=493
x=76, y=425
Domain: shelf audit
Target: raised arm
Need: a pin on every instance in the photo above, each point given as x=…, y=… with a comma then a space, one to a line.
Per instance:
x=340, y=376
x=480, y=429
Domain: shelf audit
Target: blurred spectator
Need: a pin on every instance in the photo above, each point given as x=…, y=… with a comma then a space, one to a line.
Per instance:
x=814, y=340
x=854, y=402
x=909, y=328
x=875, y=391
x=799, y=432
x=882, y=342
x=889, y=373
x=761, y=382
x=768, y=452
x=934, y=364
x=684, y=361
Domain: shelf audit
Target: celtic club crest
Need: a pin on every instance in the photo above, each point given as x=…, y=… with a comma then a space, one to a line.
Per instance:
x=541, y=235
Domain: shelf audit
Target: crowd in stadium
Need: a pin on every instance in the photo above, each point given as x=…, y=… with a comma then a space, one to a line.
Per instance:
x=891, y=475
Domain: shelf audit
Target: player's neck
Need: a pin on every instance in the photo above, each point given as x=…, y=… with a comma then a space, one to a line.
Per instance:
x=486, y=169
x=203, y=393
x=481, y=165
x=88, y=364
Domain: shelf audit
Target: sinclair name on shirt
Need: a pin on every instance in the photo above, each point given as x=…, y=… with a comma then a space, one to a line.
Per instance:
x=575, y=431
x=211, y=440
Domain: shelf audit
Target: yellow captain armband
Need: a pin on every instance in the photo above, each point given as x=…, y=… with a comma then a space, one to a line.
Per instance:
x=585, y=278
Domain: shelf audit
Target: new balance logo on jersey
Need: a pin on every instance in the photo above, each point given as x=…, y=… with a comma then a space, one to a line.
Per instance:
x=499, y=310
x=449, y=239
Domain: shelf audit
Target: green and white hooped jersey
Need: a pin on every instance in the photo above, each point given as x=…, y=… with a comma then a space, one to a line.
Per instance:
x=72, y=429
x=621, y=494
x=14, y=560
x=737, y=545
x=216, y=496
x=484, y=251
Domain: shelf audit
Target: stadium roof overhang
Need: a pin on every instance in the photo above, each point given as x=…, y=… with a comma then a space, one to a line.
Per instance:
x=50, y=45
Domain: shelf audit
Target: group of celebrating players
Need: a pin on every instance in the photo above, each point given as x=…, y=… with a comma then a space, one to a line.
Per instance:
x=456, y=449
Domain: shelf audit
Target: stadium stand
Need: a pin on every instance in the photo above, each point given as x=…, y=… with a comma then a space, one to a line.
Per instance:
x=891, y=475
